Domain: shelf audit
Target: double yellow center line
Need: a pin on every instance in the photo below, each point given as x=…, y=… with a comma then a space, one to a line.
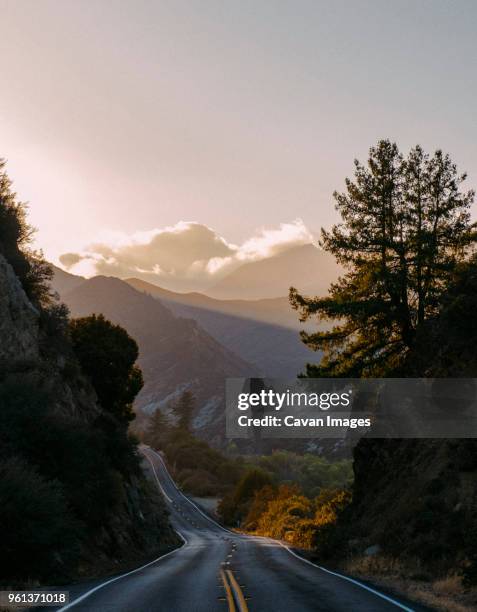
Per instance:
x=233, y=592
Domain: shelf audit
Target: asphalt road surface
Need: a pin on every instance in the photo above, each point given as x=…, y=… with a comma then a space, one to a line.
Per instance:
x=216, y=570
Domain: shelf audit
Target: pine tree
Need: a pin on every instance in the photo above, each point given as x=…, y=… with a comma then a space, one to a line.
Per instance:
x=183, y=408
x=405, y=226
x=157, y=429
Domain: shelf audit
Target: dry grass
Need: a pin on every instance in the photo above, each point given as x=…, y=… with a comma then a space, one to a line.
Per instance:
x=451, y=585
x=380, y=565
x=408, y=579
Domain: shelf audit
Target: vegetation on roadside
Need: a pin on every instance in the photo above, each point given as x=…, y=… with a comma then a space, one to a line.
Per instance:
x=107, y=355
x=283, y=495
x=16, y=237
x=65, y=475
x=403, y=309
x=260, y=505
x=198, y=468
x=406, y=227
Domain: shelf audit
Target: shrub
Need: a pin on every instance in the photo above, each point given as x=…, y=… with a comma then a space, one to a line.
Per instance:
x=186, y=454
x=62, y=449
x=199, y=482
x=288, y=513
x=310, y=472
x=16, y=234
x=40, y=537
x=234, y=507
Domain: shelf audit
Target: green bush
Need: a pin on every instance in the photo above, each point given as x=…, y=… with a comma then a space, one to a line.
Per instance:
x=107, y=355
x=199, y=482
x=234, y=506
x=309, y=472
x=186, y=454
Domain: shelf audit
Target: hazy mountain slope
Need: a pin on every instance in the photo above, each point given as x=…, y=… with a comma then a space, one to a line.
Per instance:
x=275, y=311
x=175, y=353
x=251, y=329
x=64, y=281
x=307, y=268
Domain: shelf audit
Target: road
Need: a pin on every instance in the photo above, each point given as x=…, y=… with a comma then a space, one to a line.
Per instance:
x=216, y=570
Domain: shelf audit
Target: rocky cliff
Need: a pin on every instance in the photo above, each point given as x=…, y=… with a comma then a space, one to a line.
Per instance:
x=416, y=499
x=19, y=322
x=27, y=350
x=50, y=413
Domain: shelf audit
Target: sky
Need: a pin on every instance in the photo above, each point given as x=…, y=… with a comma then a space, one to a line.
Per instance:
x=218, y=126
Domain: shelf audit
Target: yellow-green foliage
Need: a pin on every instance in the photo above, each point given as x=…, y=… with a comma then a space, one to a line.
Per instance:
x=286, y=514
x=288, y=496
x=329, y=504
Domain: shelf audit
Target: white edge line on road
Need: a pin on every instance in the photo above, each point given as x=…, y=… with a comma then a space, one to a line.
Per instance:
x=237, y=535
x=323, y=569
x=352, y=580
x=157, y=479
x=138, y=569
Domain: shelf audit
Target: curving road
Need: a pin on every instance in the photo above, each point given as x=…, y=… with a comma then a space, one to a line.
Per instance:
x=216, y=570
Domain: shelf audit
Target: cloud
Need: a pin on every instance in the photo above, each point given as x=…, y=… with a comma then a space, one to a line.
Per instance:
x=70, y=259
x=188, y=255
x=269, y=242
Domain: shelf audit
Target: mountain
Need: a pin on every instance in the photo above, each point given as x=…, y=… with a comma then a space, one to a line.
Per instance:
x=262, y=332
x=307, y=268
x=175, y=353
x=276, y=311
x=64, y=281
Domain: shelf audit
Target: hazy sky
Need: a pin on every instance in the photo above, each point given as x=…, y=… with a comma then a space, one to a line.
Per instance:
x=119, y=117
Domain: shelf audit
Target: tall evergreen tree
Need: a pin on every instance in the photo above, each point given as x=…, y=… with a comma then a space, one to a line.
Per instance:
x=157, y=429
x=183, y=408
x=405, y=226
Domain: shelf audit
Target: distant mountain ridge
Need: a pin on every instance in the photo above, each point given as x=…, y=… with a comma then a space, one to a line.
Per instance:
x=193, y=340
x=271, y=310
x=308, y=268
x=262, y=332
x=64, y=281
x=174, y=353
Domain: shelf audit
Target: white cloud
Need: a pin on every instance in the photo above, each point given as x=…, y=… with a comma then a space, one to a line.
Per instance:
x=185, y=256
x=269, y=242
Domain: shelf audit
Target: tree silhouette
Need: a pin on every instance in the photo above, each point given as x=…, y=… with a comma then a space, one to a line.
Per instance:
x=16, y=235
x=107, y=354
x=183, y=408
x=405, y=227
x=157, y=429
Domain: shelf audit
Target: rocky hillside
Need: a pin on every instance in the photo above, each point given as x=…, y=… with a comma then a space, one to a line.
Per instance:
x=25, y=351
x=19, y=323
x=416, y=499
x=73, y=508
